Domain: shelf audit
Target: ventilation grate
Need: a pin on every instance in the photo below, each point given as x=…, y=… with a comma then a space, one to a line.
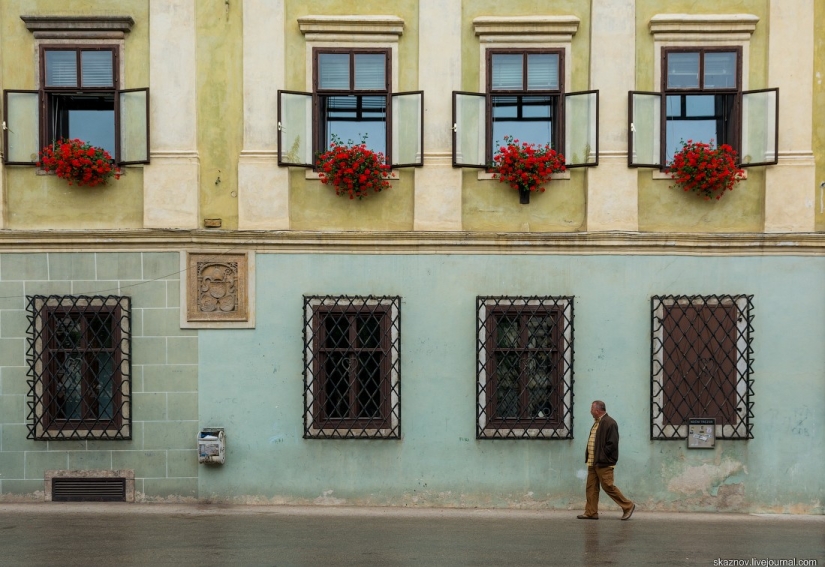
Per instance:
x=89, y=490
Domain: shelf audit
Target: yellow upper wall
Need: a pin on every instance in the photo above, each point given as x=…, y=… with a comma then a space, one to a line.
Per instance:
x=663, y=207
x=819, y=111
x=44, y=201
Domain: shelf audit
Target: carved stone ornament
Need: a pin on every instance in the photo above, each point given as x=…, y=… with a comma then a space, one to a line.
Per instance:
x=217, y=287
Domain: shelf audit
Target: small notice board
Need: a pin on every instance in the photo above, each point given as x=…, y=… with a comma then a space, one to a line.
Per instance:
x=701, y=432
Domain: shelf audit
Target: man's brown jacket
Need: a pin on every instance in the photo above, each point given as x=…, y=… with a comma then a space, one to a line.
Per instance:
x=606, y=450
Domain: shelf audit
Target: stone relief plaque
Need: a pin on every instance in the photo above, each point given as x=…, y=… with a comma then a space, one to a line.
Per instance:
x=217, y=287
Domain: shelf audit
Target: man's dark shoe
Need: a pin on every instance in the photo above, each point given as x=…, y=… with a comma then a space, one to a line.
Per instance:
x=629, y=512
x=583, y=517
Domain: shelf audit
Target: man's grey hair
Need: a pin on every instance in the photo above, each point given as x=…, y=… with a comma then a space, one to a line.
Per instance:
x=599, y=405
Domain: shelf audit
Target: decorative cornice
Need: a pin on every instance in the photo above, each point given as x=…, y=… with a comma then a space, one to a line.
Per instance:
x=358, y=25
x=511, y=28
x=703, y=26
x=79, y=27
x=301, y=242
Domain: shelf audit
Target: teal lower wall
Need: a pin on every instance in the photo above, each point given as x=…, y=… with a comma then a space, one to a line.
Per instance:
x=164, y=374
x=251, y=384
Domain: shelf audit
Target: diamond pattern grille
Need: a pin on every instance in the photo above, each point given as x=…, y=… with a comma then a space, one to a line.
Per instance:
x=701, y=364
x=352, y=367
x=525, y=367
x=79, y=358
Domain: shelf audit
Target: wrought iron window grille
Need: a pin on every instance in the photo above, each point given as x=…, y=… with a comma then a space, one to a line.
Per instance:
x=701, y=364
x=79, y=357
x=524, y=368
x=352, y=367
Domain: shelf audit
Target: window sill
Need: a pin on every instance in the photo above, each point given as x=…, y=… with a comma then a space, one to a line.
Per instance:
x=314, y=175
x=485, y=176
x=660, y=174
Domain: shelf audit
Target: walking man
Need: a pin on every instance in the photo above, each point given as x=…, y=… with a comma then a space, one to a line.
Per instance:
x=601, y=456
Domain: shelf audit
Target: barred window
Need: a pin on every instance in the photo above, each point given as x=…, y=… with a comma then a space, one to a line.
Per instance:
x=701, y=364
x=79, y=360
x=525, y=367
x=352, y=369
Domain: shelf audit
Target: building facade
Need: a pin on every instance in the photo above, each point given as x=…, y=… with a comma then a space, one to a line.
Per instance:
x=437, y=343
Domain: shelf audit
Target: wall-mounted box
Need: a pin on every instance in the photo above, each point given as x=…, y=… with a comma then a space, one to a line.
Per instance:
x=212, y=446
x=701, y=432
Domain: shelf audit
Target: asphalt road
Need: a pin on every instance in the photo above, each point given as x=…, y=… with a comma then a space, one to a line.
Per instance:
x=280, y=536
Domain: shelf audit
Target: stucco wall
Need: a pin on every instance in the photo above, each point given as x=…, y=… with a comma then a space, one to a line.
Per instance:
x=439, y=461
x=162, y=451
x=44, y=201
x=819, y=111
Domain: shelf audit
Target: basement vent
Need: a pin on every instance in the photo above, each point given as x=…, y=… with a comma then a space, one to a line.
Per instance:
x=88, y=489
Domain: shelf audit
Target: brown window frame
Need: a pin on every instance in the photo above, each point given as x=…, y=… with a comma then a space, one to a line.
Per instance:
x=701, y=364
x=48, y=94
x=45, y=353
x=557, y=425
x=319, y=120
x=317, y=421
x=733, y=131
x=557, y=94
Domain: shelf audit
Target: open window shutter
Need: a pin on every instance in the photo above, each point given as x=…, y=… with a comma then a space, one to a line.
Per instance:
x=295, y=129
x=469, y=129
x=581, y=129
x=645, y=129
x=408, y=129
x=134, y=126
x=21, y=127
x=760, y=127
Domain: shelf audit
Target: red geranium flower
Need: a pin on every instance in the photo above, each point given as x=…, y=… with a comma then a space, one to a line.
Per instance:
x=353, y=169
x=706, y=170
x=78, y=162
x=526, y=166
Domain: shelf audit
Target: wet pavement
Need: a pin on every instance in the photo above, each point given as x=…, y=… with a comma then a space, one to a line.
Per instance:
x=283, y=536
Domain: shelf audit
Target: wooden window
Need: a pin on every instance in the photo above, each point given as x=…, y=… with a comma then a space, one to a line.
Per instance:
x=701, y=364
x=525, y=367
x=702, y=100
x=352, y=370
x=352, y=102
x=525, y=98
x=80, y=367
x=80, y=97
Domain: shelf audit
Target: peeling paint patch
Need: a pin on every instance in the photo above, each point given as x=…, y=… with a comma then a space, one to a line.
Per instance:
x=326, y=499
x=703, y=478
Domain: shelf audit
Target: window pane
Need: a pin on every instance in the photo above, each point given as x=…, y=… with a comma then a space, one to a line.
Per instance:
x=406, y=128
x=100, y=331
x=369, y=385
x=759, y=127
x=336, y=385
x=333, y=71
x=67, y=333
x=23, y=116
x=355, y=118
x=542, y=71
x=61, y=68
x=700, y=118
x=104, y=387
x=96, y=69
x=68, y=390
x=645, y=129
x=580, y=132
x=370, y=71
x=507, y=388
x=508, y=71
x=540, y=385
x=526, y=118
x=540, y=332
x=337, y=331
x=134, y=126
x=470, y=111
x=507, y=332
x=295, y=144
x=720, y=70
x=369, y=331
x=683, y=70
